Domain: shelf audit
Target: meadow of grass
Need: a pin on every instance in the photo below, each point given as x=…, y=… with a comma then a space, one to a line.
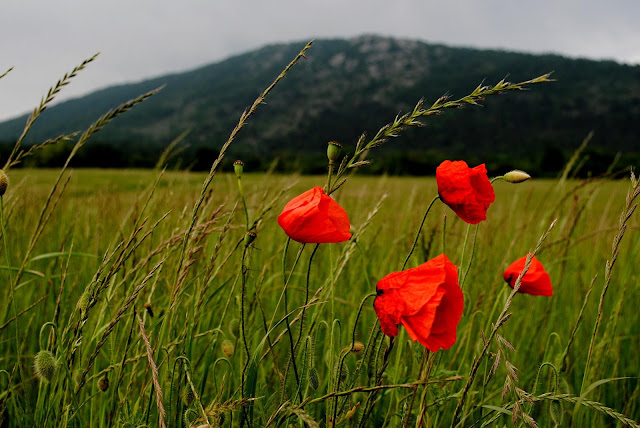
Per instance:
x=173, y=299
x=117, y=234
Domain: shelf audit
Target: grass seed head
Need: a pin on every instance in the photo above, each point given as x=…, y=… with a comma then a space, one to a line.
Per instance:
x=4, y=182
x=45, y=365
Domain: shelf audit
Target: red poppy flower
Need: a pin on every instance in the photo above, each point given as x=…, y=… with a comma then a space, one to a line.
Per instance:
x=426, y=300
x=467, y=191
x=536, y=281
x=315, y=218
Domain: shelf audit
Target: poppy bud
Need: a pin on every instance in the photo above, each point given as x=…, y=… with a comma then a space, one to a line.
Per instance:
x=333, y=151
x=45, y=365
x=187, y=396
x=238, y=167
x=4, y=182
x=227, y=348
x=249, y=237
x=103, y=384
x=314, y=382
x=357, y=347
x=516, y=176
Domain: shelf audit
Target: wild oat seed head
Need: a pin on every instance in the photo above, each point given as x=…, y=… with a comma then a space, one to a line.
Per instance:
x=103, y=384
x=4, y=182
x=227, y=348
x=45, y=365
x=516, y=176
x=238, y=168
x=333, y=151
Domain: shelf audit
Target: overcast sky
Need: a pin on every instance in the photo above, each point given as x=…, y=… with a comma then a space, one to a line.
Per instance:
x=138, y=39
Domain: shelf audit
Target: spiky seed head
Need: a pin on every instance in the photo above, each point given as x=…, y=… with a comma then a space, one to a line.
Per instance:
x=103, y=384
x=238, y=168
x=187, y=396
x=516, y=176
x=333, y=151
x=45, y=365
x=4, y=182
x=249, y=237
x=314, y=382
x=357, y=347
x=83, y=302
x=227, y=348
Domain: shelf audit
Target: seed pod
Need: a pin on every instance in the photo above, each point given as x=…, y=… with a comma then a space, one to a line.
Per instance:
x=45, y=365
x=103, y=384
x=333, y=151
x=238, y=168
x=314, y=382
x=4, y=182
x=227, y=348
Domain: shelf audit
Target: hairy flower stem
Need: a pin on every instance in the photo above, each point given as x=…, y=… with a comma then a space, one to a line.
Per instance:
x=425, y=356
x=415, y=241
x=306, y=296
x=244, y=202
x=283, y=297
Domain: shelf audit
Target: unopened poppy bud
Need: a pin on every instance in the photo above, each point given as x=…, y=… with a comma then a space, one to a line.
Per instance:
x=333, y=151
x=516, y=176
x=227, y=348
x=103, y=384
x=249, y=237
x=45, y=365
x=4, y=182
x=357, y=347
x=314, y=382
x=238, y=168
x=187, y=396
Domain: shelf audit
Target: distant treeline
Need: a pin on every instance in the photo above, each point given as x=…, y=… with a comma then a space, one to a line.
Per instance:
x=547, y=162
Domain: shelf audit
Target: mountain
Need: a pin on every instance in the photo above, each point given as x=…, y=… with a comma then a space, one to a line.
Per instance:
x=345, y=87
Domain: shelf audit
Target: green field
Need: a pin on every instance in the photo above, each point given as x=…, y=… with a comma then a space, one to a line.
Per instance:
x=85, y=264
